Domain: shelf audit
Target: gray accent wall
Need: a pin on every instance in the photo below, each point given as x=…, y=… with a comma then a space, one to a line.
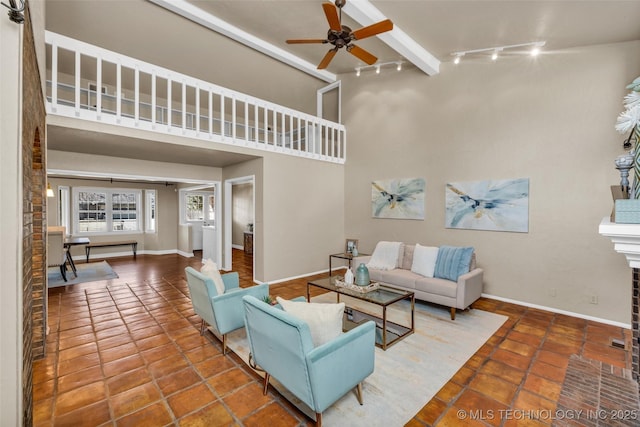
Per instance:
x=550, y=119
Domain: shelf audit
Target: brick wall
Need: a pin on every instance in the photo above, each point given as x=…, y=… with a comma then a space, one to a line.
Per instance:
x=34, y=218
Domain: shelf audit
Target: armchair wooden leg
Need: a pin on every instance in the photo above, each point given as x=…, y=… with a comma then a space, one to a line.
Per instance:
x=453, y=313
x=202, y=327
x=318, y=419
x=224, y=344
x=359, y=393
x=265, y=386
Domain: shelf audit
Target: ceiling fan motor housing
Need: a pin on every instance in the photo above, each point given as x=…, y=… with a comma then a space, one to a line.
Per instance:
x=340, y=39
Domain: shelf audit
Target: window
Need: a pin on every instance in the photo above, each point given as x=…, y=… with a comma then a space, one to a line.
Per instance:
x=101, y=210
x=198, y=206
x=150, y=211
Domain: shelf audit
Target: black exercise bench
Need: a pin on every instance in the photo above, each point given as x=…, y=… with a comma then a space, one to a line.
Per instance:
x=132, y=243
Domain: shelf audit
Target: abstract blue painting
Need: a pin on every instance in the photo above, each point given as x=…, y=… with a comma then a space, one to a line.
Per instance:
x=398, y=198
x=500, y=205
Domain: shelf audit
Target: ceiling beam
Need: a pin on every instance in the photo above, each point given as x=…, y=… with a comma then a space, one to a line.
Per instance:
x=199, y=16
x=363, y=12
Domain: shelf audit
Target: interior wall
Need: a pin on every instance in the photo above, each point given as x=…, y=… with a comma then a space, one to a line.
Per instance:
x=242, y=199
x=550, y=119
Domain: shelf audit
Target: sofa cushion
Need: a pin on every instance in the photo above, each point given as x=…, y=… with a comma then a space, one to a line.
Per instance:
x=210, y=269
x=324, y=320
x=398, y=277
x=437, y=286
x=452, y=262
x=424, y=260
x=407, y=257
x=385, y=256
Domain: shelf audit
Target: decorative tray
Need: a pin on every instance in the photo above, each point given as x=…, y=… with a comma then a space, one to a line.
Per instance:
x=362, y=289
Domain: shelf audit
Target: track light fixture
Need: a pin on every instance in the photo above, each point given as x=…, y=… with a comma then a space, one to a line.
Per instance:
x=378, y=67
x=495, y=51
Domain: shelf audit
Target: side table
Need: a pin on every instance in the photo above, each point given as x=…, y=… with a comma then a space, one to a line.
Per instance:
x=348, y=257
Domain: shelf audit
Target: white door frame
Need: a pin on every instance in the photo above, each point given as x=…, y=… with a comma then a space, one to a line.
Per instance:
x=228, y=216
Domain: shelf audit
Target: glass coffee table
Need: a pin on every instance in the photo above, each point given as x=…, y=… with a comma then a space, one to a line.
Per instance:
x=387, y=332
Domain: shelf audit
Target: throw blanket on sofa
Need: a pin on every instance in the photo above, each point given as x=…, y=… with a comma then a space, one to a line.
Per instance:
x=385, y=256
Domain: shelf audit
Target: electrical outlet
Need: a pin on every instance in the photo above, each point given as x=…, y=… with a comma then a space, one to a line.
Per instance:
x=593, y=299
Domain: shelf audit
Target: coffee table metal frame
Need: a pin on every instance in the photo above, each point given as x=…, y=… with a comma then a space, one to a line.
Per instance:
x=384, y=296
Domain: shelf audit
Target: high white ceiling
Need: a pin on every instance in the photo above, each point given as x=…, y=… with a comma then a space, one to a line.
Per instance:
x=144, y=30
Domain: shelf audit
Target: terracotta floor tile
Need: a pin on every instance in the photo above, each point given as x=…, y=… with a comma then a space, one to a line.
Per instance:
x=134, y=399
x=191, y=399
x=214, y=366
x=128, y=380
x=168, y=365
x=212, y=415
x=477, y=407
x=108, y=324
x=494, y=387
x=552, y=358
x=431, y=412
x=517, y=347
x=106, y=317
x=66, y=367
x=273, y=415
x=77, y=351
x=576, y=333
x=43, y=370
x=83, y=330
x=138, y=334
x=125, y=364
x=228, y=381
x=79, y=378
x=42, y=412
x=548, y=371
x=153, y=342
x=503, y=371
x=111, y=332
x=474, y=418
x=564, y=347
x=153, y=415
x=114, y=341
x=525, y=338
x=89, y=416
x=543, y=387
x=80, y=397
x=567, y=341
x=160, y=352
x=119, y=352
x=463, y=376
x=533, y=402
x=191, y=341
x=43, y=390
x=243, y=401
x=178, y=381
x=512, y=359
x=448, y=392
x=201, y=353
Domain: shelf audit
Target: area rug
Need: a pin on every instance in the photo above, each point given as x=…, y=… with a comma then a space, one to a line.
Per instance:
x=89, y=272
x=409, y=373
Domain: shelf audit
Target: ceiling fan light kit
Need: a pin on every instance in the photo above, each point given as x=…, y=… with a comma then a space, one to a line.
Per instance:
x=342, y=36
x=495, y=51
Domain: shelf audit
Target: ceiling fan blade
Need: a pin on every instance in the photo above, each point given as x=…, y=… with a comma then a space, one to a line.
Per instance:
x=373, y=29
x=327, y=59
x=331, y=13
x=362, y=54
x=300, y=41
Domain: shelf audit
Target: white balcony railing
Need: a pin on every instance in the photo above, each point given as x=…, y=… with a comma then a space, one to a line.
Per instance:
x=95, y=84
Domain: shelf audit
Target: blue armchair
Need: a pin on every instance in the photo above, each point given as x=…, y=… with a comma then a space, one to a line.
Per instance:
x=224, y=312
x=281, y=345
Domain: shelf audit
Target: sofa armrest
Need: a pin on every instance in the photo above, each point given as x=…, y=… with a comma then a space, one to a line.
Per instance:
x=339, y=365
x=469, y=288
x=231, y=280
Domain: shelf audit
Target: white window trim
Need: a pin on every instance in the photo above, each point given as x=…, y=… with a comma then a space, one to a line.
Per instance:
x=150, y=224
x=183, y=207
x=64, y=206
x=109, y=192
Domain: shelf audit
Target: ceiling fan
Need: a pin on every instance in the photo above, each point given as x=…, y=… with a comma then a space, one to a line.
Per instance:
x=341, y=36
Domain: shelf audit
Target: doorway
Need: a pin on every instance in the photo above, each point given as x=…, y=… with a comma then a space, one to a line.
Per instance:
x=239, y=217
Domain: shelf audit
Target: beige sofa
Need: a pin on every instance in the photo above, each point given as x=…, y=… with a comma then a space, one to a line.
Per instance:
x=456, y=295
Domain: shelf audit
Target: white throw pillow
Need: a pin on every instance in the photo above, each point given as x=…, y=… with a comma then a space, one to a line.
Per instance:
x=424, y=260
x=324, y=320
x=210, y=269
x=385, y=256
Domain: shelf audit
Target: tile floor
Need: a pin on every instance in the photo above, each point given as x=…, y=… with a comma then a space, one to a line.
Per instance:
x=127, y=352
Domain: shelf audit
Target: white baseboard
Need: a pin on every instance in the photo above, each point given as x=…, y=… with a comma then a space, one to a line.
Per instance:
x=238, y=247
x=556, y=310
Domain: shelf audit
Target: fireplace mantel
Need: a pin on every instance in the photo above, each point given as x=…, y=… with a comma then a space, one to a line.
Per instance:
x=625, y=238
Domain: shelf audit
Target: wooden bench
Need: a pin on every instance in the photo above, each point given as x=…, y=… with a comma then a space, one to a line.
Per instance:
x=132, y=243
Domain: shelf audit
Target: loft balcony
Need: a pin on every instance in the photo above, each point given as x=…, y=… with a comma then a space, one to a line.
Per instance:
x=90, y=83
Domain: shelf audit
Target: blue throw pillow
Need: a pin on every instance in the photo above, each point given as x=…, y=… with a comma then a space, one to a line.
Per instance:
x=452, y=262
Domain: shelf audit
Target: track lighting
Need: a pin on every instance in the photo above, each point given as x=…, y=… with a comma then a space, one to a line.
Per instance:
x=378, y=67
x=495, y=51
